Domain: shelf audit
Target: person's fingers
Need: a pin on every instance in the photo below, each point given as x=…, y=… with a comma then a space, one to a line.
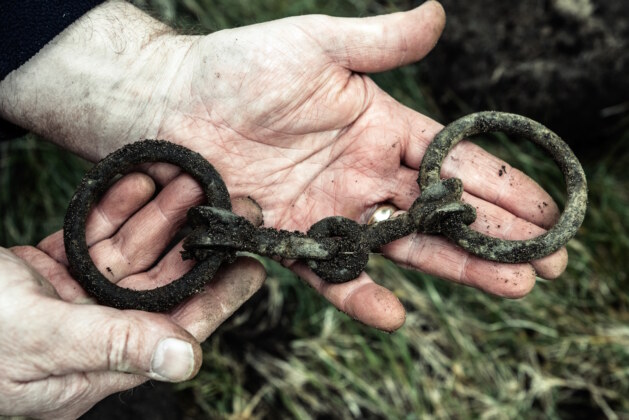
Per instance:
x=494, y=221
x=228, y=290
x=483, y=174
x=143, y=238
x=86, y=338
x=169, y=268
x=361, y=298
x=232, y=286
x=437, y=256
x=121, y=201
x=52, y=338
x=494, y=180
x=86, y=389
x=15, y=268
x=249, y=209
x=161, y=172
x=91, y=338
x=491, y=220
x=383, y=42
x=56, y=273
x=172, y=266
x=126, y=197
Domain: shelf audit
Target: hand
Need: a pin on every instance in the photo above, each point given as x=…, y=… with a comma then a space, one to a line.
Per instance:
x=61, y=354
x=286, y=114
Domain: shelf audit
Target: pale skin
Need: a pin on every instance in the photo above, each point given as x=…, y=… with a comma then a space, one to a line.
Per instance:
x=61, y=353
x=285, y=112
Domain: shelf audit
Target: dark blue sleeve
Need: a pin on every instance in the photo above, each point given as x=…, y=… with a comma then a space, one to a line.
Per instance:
x=25, y=27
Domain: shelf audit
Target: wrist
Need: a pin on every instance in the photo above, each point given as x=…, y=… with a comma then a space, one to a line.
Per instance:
x=94, y=87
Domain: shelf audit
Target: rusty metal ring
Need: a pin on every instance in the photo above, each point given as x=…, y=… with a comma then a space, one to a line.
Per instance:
x=353, y=254
x=511, y=251
x=94, y=184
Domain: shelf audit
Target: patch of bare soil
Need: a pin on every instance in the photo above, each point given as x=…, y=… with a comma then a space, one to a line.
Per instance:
x=564, y=63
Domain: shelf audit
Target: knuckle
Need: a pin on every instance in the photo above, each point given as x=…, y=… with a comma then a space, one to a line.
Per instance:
x=140, y=182
x=120, y=345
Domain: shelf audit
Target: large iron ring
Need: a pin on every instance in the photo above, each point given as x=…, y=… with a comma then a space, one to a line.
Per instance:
x=511, y=251
x=93, y=185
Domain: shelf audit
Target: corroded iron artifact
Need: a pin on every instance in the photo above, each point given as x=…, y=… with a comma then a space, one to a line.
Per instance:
x=336, y=248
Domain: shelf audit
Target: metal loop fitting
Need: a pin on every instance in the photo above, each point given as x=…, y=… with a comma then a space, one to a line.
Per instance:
x=335, y=248
x=501, y=250
x=94, y=184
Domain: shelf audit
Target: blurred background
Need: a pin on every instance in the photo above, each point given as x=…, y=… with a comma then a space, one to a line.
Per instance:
x=561, y=352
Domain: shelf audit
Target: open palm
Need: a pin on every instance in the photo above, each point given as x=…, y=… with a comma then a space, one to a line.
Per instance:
x=286, y=114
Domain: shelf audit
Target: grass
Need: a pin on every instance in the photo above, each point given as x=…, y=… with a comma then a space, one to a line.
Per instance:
x=563, y=351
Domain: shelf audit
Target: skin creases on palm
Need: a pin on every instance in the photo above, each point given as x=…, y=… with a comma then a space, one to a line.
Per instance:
x=308, y=135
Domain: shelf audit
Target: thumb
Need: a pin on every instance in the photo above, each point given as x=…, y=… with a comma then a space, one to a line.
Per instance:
x=97, y=338
x=384, y=42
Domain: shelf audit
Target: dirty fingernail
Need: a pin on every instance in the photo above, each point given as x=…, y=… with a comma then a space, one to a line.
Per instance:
x=173, y=360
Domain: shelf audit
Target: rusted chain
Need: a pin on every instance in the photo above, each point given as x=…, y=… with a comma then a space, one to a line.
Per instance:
x=335, y=248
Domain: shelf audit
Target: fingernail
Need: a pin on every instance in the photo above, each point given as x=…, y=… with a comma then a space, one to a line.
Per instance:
x=173, y=360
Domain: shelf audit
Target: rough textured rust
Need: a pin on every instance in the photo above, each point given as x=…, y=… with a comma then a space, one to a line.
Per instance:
x=335, y=248
x=91, y=188
x=352, y=255
x=495, y=249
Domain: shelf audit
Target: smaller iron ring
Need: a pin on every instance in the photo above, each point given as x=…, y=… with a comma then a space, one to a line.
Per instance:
x=353, y=254
x=511, y=251
x=94, y=184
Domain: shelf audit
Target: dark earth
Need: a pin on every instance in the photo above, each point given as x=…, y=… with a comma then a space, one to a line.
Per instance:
x=563, y=63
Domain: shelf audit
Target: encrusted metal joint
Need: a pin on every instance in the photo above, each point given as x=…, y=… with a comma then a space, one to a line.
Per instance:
x=352, y=253
x=439, y=207
x=218, y=230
